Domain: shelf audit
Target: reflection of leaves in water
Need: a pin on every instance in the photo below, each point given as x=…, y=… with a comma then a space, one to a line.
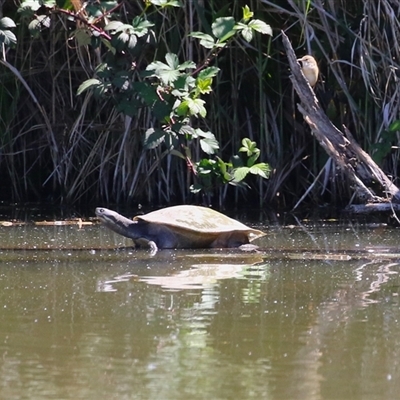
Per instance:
x=206, y=275
x=251, y=294
x=254, y=275
x=199, y=276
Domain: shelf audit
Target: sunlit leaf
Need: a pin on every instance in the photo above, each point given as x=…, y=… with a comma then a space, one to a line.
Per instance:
x=240, y=173
x=252, y=159
x=7, y=37
x=182, y=109
x=260, y=26
x=132, y=41
x=49, y=3
x=113, y=26
x=187, y=65
x=260, y=169
x=172, y=60
x=223, y=27
x=204, y=85
x=196, y=188
x=153, y=138
x=196, y=106
x=206, y=41
x=247, y=34
x=205, y=134
x=209, y=145
x=165, y=3
x=141, y=26
x=208, y=73
x=187, y=130
x=7, y=23
x=168, y=75
x=29, y=7
x=88, y=84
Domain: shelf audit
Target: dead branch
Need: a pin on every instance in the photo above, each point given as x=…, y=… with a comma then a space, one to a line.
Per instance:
x=369, y=181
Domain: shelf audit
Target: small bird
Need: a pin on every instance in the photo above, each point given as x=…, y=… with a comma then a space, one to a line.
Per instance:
x=310, y=69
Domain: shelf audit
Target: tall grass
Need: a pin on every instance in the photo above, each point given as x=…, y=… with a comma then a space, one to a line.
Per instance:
x=60, y=147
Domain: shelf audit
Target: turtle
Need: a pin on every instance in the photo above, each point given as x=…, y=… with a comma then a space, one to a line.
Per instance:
x=180, y=227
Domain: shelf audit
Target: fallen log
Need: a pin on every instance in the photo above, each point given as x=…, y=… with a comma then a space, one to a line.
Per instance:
x=370, y=183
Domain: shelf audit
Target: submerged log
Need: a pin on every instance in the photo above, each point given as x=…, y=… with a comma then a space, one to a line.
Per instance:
x=370, y=183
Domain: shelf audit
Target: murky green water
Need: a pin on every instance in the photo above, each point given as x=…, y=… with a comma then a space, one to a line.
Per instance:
x=81, y=320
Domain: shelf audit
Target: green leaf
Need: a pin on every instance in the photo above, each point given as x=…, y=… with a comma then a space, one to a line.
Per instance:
x=209, y=145
x=208, y=73
x=247, y=14
x=261, y=169
x=222, y=167
x=163, y=72
x=113, y=26
x=126, y=28
x=172, y=60
x=132, y=41
x=240, y=173
x=169, y=76
x=169, y=72
x=7, y=37
x=394, y=126
x=196, y=188
x=222, y=28
x=7, y=23
x=204, y=85
x=206, y=41
x=49, y=3
x=187, y=130
x=196, y=106
x=156, y=65
x=153, y=138
x=141, y=26
x=187, y=65
x=247, y=34
x=205, y=134
x=89, y=84
x=29, y=7
x=249, y=147
x=260, y=26
x=165, y=3
x=252, y=159
x=182, y=109
x=35, y=28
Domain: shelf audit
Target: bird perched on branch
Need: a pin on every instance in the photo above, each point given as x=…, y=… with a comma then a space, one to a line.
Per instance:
x=310, y=69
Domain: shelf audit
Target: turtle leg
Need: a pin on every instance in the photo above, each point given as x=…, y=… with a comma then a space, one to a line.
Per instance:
x=153, y=248
x=146, y=243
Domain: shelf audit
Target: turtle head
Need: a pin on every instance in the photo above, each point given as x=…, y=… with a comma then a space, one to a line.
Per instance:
x=114, y=221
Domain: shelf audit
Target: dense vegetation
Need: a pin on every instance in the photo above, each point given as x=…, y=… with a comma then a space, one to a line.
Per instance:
x=100, y=144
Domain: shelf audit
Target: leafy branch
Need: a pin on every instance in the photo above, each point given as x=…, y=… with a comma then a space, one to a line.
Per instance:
x=173, y=90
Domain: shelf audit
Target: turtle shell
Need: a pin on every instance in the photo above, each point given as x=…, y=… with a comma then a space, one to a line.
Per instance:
x=197, y=222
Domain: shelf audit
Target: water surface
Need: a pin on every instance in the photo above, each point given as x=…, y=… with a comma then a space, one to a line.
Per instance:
x=84, y=316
